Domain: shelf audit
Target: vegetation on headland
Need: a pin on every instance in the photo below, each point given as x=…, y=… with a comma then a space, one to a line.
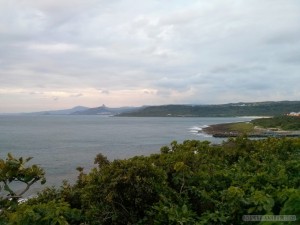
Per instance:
x=192, y=182
x=221, y=110
x=262, y=127
x=279, y=122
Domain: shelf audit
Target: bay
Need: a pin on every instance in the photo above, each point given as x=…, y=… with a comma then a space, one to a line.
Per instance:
x=60, y=144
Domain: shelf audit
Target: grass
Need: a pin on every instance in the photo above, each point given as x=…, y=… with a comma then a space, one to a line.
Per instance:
x=241, y=127
x=281, y=122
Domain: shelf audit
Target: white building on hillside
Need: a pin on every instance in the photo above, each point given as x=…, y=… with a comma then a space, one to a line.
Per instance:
x=294, y=114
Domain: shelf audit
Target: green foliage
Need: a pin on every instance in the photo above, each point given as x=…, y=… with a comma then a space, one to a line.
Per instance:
x=192, y=182
x=121, y=192
x=172, y=214
x=101, y=160
x=263, y=203
x=241, y=127
x=280, y=122
x=52, y=213
x=14, y=170
x=292, y=206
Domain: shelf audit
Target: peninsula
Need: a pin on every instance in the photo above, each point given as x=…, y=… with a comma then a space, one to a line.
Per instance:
x=279, y=126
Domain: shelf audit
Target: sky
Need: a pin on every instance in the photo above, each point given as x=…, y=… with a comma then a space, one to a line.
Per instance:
x=59, y=54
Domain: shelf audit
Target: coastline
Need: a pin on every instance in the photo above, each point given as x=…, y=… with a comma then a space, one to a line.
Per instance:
x=227, y=130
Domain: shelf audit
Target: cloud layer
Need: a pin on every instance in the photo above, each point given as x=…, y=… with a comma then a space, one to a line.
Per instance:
x=58, y=54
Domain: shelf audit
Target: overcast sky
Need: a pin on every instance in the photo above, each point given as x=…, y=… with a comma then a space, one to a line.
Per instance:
x=59, y=54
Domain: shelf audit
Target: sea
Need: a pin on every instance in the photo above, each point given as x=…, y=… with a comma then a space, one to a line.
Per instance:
x=59, y=144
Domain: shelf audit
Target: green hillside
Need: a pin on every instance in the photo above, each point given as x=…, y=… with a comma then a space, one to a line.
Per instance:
x=224, y=110
x=278, y=126
x=280, y=122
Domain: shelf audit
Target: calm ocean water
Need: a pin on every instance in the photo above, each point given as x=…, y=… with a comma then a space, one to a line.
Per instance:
x=59, y=144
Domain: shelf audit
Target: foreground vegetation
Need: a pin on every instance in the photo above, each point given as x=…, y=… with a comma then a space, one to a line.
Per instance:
x=192, y=182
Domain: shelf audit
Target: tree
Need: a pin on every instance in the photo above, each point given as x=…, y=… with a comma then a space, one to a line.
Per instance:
x=13, y=169
x=52, y=212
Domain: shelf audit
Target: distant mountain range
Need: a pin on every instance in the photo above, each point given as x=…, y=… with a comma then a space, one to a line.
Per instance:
x=103, y=110
x=221, y=110
x=60, y=112
x=81, y=110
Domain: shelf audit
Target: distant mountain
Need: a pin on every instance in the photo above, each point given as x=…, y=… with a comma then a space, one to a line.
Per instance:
x=81, y=110
x=60, y=112
x=103, y=110
x=222, y=110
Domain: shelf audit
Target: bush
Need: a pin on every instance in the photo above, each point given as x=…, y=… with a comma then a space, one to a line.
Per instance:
x=188, y=183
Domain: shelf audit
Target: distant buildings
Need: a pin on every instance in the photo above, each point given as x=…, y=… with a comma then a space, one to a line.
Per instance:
x=294, y=114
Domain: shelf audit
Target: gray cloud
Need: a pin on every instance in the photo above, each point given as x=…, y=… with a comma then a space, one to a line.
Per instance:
x=76, y=95
x=171, y=52
x=106, y=92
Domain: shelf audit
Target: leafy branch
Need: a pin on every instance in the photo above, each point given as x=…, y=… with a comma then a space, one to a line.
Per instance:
x=13, y=169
